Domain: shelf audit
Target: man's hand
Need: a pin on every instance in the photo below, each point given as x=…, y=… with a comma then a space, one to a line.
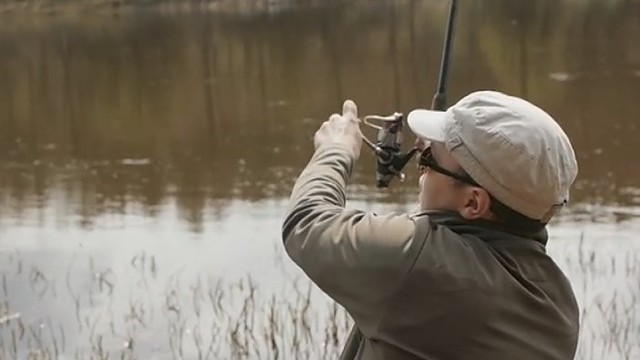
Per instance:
x=342, y=129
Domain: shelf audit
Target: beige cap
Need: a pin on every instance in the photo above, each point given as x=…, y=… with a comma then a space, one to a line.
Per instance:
x=510, y=147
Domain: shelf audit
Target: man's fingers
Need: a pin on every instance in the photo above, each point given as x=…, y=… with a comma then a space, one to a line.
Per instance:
x=350, y=110
x=335, y=117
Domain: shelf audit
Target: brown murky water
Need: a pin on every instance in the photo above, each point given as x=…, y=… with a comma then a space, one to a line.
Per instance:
x=146, y=159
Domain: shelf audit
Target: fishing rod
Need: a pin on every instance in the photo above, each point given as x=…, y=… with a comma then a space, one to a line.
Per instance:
x=390, y=160
x=388, y=147
x=440, y=98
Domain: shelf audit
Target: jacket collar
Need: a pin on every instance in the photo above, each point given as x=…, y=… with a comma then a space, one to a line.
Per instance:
x=484, y=229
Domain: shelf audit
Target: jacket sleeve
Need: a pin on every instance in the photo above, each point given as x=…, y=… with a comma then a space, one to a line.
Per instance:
x=358, y=258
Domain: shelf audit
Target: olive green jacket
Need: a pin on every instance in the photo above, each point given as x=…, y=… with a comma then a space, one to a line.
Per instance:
x=428, y=286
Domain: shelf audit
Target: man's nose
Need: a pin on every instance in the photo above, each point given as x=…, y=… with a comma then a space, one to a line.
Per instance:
x=421, y=143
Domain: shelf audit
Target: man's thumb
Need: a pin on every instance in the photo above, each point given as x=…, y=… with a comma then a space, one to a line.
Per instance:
x=350, y=110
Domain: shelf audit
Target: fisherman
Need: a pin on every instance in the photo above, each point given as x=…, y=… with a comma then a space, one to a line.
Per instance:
x=467, y=277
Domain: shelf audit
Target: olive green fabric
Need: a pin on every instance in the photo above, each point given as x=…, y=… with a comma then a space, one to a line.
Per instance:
x=431, y=285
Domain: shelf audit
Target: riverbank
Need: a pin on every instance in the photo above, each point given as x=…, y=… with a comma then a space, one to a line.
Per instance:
x=70, y=7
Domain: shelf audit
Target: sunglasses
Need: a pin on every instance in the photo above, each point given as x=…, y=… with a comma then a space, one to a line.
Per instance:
x=427, y=160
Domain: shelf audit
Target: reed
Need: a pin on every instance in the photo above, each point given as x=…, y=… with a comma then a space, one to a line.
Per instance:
x=201, y=317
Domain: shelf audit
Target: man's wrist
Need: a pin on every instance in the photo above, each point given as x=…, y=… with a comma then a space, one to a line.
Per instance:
x=338, y=147
x=342, y=150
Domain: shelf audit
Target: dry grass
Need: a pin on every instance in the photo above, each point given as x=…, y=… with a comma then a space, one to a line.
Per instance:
x=241, y=7
x=197, y=319
x=135, y=312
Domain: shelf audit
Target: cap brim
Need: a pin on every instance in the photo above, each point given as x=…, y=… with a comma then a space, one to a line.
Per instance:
x=428, y=124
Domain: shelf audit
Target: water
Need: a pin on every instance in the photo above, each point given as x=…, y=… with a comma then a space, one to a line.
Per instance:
x=146, y=160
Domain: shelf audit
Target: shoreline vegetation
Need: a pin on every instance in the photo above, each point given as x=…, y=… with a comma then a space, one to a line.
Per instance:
x=236, y=7
x=70, y=7
x=139, y=309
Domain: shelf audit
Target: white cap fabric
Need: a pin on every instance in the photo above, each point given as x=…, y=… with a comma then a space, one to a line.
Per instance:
x=510, y=147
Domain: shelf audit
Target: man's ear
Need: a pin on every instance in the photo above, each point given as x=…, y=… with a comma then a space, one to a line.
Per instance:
x=476, y=204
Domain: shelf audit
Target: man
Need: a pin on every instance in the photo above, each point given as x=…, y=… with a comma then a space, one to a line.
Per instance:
x=466, y=278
